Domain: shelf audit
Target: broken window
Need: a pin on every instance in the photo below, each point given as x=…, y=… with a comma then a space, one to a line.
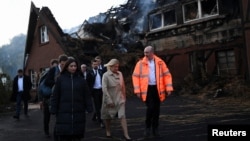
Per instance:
x=162, y=19
x=156, y=21
x=226, y=62
x=190, y=11
x=169, y=18
x=209, y=8
x=44, y=34
x=200, y=9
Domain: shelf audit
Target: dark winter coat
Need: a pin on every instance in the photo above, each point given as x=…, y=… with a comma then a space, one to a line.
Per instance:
x=69, y=102
x=27, y=85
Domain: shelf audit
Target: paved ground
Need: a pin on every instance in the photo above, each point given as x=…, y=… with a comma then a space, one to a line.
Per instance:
x=182, y=119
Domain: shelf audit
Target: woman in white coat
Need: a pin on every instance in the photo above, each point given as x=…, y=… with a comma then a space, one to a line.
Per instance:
x=114, y=97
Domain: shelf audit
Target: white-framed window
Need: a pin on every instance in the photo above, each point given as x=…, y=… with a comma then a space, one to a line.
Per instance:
x=33, y=77
x=44, y=34
x=199, y=9
x=162, y=19
x=226, y=63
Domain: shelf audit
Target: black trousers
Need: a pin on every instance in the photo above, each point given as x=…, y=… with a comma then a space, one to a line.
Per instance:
x=97, y=97
x=153, y=107
x=46, y=115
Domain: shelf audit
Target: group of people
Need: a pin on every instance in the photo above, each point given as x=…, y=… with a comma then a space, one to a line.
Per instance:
x=76, y=86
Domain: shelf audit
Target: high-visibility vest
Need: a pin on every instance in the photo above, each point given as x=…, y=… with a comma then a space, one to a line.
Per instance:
x=141, y=75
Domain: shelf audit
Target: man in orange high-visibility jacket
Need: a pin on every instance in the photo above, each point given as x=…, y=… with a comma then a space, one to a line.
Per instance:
x=152, y=83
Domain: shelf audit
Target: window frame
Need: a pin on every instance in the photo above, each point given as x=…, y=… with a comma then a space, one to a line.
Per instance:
x=162, y=20
x=226, y=62
x=199, y=15
x=44, y=36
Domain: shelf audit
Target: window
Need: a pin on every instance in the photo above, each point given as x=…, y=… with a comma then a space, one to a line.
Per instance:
x=156, y=21
x=44, y=34
x=226, y=62
x=33, y=78
x=163, y=19
x=200, y=9
x=169, y=18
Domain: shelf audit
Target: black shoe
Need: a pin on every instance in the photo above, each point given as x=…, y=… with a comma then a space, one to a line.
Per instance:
x=16, y=117
x=108, y=136
x=128, y=139
x=156, y=132
x=147, y=132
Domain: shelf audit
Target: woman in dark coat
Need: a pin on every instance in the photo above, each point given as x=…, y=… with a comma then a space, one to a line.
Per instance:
x=69, y=102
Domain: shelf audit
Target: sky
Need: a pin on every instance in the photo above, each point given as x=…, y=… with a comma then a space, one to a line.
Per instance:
x=14, y=14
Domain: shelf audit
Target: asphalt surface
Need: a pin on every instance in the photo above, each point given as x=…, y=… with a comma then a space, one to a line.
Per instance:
x=181, y=119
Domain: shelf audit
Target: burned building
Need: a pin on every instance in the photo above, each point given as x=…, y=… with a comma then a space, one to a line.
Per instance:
x=202, y=38
x=198, y=39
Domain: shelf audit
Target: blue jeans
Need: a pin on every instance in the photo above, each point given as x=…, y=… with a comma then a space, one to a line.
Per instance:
x=18, y=104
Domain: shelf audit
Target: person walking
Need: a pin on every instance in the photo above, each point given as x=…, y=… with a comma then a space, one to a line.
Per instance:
x=50, y=81
x=114, y=97
x=94, y=79
x=100, y=64
x=21, y=92
x=69, y=102
x=45, y=100
x=152, y=82
x=84, y=70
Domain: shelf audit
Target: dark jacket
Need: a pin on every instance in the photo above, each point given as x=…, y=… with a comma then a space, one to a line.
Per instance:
x=51, y=76
x=91, y=77
x=103, y=68
x=70, y=101
x=27, y=85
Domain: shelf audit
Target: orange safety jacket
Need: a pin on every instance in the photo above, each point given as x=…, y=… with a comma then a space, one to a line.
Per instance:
x=141, y=75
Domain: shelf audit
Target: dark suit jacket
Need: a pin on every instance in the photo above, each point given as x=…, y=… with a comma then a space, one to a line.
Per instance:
x=27, y=85
x=91, y=77
x=51, y=78
x=104, y=69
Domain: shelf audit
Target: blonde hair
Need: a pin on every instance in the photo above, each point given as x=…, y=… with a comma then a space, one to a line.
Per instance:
x=111, y=63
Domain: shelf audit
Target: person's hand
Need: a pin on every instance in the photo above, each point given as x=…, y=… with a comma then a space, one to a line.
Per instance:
x=168, y=93
x=41, y=105
x=111, y=105
x=138, y=95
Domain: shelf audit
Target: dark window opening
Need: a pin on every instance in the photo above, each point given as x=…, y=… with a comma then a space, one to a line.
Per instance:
x=169, y=18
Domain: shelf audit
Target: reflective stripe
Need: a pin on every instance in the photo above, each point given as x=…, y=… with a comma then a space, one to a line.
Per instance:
x=162, y=92
x=166, y=73
x=136, y=87
x=136, y=75
x=143, y=76
x=169, y=85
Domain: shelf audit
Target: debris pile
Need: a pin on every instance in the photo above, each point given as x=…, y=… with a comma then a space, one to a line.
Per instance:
x=234, y=87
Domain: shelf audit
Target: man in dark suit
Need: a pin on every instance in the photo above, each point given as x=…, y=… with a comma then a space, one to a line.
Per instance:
x=50, y=80
x=21, y=91
x=100, y=64
x=94, y=79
